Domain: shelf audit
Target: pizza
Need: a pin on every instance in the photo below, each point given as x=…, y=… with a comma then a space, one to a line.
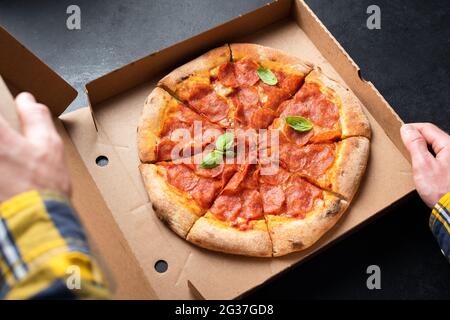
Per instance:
x=248, y=150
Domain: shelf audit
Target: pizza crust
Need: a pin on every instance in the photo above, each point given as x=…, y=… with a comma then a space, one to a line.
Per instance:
x=348, y=168
x=290, y=235
x=177, y=210
x=268, y=57
x=211, y=233
x=150, y=123
x=205, y=62
x=353, y=120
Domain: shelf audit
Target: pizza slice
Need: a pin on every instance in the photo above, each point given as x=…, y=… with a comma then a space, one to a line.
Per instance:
x=192, y=83
x=297, y=212
x=331, y=110
x=258, y=80
x=182, y=191
x=235, y=222
x=336, y=166
x=169, y=130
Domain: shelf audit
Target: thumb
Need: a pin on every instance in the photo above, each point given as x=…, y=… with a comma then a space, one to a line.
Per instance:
x=37, y=124
x=416, y=145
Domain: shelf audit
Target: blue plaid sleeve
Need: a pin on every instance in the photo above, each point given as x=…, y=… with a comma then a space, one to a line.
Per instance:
x=440, y=224
x=44, y=252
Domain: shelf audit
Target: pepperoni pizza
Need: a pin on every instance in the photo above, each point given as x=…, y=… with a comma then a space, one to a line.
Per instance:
x=248, y=150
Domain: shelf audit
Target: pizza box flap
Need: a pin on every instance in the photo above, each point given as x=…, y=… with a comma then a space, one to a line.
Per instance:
x=116, y=101
x=22, y=70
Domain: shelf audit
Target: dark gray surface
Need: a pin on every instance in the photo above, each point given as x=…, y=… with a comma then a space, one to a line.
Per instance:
x=408, y=60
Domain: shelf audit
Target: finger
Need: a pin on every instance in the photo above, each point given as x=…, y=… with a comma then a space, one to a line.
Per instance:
x=37, y=123
x=7, y=134
x=417, y=146
x=437, y=138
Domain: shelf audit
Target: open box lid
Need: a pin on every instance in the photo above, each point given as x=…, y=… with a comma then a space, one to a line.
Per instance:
x=23, y=71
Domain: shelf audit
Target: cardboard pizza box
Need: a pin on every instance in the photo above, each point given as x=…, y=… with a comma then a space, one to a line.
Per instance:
x=127, y=236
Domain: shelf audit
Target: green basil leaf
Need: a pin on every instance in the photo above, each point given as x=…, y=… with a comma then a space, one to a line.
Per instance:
x=225, y=142
x=211, y=160
x=267, y=76
x=300, y=124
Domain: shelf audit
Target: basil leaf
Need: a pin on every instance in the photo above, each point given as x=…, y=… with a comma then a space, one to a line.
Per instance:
x=300, y=124
x=225, y=142
x=267, y=76
x=211, y=160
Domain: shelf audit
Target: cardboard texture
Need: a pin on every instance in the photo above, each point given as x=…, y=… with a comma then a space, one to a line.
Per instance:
x=112, y=202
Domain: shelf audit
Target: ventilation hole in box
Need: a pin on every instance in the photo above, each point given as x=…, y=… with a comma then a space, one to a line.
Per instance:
x=102, y=161
x=161, y=266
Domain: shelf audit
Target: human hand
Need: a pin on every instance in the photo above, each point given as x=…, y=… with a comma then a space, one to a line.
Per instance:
x=431, y=173
x=35, y=158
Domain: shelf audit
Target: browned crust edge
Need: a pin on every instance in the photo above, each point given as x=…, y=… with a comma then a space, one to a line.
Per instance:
x=150, y=123
x=349, y=167
x=177, y=211
x=206, y=61
x=216, y=235
x=291, y=235
x=264, y=54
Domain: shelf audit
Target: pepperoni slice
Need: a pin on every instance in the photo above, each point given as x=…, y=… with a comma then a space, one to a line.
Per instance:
x=245, y=71
x=227, y=206
x=289, y=83
x=181, y=177
x=206, y=101
x=262, y=118
x=247, y=103
x=248, y=96
x=311, y=103
x=186, y=115
x=278, y=177
x=251, y=204
x=164, y=149
x=299, y=138
x=235, y=182
x=317, y=158
x=275, y=96
x=205, y=191
x=250, y=180
x=300, y=197
x=273, y=198
x=227, y=75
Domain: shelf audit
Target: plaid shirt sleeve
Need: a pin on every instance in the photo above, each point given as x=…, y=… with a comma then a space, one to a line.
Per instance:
x=440, y=224
x=44, y=252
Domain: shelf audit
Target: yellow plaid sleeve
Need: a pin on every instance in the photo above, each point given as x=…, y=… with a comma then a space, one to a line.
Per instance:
x=440, y=224
x=44, y=252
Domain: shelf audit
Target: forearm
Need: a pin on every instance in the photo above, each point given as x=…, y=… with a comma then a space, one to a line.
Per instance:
x=44, y=252
x=440, y=224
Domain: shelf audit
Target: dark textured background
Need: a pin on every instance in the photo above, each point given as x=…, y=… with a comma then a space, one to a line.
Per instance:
x=408, y=60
